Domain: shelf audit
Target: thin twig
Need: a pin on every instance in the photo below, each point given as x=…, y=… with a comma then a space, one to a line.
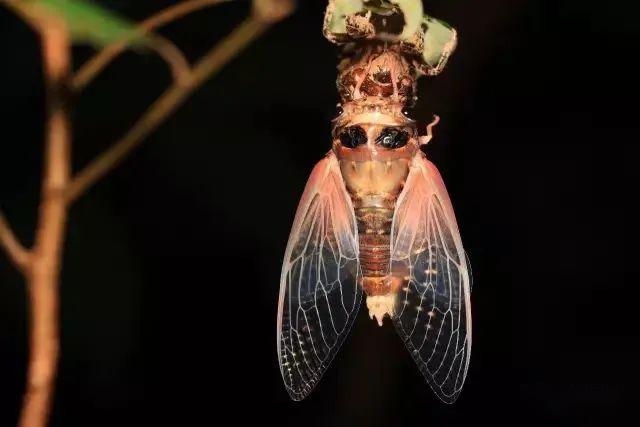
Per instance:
x=44, y=273
x=166, y=104
x=17, y=253
x=92, y=67
x=172, y=55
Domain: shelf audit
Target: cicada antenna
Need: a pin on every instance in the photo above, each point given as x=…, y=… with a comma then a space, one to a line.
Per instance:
x=424, y=140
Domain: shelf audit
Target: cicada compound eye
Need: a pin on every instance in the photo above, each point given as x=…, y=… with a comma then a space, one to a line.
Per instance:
x=392, y=138
x=352, y=137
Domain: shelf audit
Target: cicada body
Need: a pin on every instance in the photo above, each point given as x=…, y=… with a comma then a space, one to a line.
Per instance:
x=375, y=222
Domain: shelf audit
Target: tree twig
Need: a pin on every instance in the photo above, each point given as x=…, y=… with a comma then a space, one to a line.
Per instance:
x=166, y=104
x=43, y=275
x=17, y=253
x=92, y=67
x=172, y=55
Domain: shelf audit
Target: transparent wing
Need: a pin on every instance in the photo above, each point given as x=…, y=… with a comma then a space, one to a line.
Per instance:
x=433, y=313
x=319, y=291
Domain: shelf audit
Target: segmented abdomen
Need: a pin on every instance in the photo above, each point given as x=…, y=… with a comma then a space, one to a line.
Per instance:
x=374, y=229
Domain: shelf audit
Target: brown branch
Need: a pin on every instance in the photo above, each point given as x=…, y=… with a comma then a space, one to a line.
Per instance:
x=17, y=253
x=45, y=263
x=166, y=104
x=96, y=64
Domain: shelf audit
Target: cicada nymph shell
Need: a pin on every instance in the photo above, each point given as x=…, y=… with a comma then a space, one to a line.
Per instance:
x=375, y=219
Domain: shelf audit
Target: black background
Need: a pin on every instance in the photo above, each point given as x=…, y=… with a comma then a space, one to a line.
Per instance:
x=172, y=263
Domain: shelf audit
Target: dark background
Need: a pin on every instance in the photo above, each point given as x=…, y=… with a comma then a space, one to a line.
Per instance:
x=172, y=263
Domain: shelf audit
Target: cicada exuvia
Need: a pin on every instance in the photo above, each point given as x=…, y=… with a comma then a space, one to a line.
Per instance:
x=375, y=219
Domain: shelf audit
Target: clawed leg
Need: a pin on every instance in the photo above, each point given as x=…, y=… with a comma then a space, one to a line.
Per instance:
x=424, y=140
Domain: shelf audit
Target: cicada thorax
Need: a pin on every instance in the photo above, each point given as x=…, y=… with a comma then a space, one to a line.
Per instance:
x=375, y=143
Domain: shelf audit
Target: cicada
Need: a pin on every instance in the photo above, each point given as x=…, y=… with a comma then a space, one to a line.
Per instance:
x=375, y=222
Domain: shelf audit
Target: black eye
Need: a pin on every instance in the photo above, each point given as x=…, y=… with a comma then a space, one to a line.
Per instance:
x=352, y=137
x=392, y=138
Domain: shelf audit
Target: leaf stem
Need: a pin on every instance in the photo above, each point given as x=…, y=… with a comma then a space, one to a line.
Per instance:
x=17, y=253
x=96, y=64
x=172, y=55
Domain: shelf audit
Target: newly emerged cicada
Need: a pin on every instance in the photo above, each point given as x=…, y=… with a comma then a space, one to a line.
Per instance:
x=375, y=219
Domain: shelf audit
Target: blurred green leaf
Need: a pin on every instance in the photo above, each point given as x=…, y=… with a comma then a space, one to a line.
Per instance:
x=412, y=10
x=88, y=22
x=339, y=10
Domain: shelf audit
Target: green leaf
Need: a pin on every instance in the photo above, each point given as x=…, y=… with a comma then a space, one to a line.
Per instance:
x=412, y=10
x=88, y=22
x=440, y=41
x=341, y=9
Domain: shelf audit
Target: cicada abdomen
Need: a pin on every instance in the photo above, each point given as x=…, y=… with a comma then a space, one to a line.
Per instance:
x=375, y=219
